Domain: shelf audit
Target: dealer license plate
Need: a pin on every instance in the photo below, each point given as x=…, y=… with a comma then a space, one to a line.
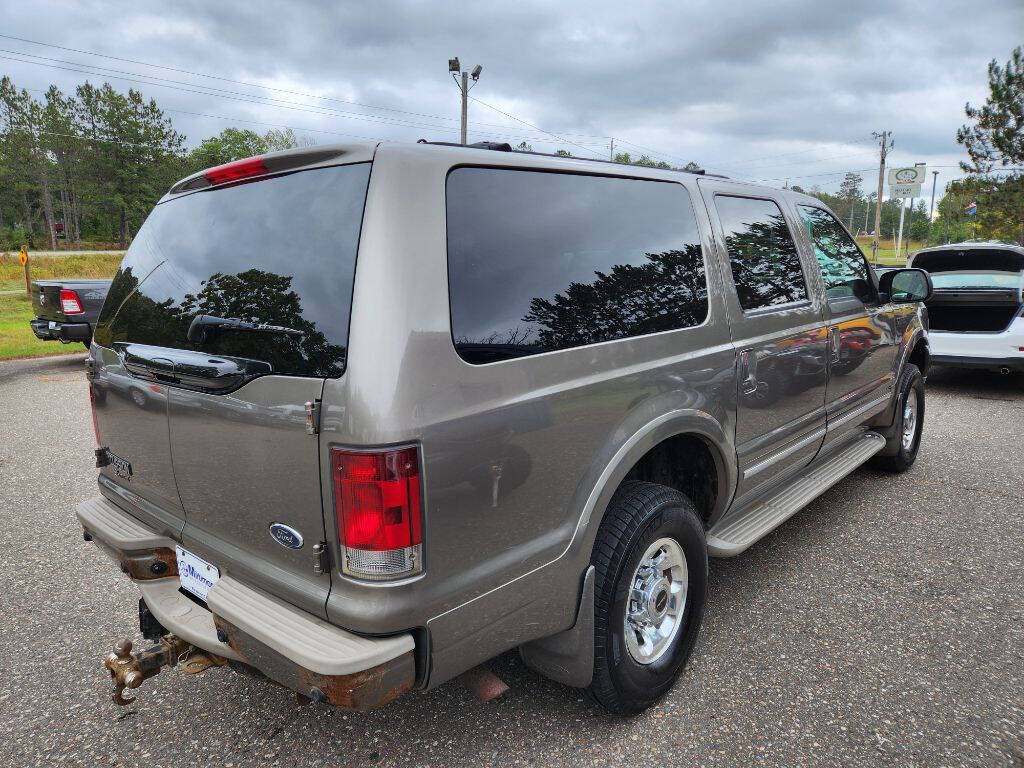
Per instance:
x=197, y=575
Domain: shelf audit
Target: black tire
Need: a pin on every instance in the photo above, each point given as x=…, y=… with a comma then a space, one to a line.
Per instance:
x=638, y=515
x=897, y=457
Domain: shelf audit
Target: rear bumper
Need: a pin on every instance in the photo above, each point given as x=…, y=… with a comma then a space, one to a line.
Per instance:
x=49, y=330
x=980, y=350
x=288, y=645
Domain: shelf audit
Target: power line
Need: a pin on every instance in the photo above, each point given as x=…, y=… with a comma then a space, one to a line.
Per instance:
x=798, y=163
x=193, y=73
x=252, y=99
x=784, y=154
x=536, y=128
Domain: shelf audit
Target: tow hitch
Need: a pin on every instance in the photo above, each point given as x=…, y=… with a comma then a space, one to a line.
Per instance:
x=130, y=670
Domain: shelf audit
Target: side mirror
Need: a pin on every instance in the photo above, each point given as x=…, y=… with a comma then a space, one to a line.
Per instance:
x=906, y=286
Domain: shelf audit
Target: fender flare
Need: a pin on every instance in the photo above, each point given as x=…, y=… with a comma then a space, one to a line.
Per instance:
x=685, y=421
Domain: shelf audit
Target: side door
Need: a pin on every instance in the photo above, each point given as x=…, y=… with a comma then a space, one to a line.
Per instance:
x=778, y=334
x=862, y=347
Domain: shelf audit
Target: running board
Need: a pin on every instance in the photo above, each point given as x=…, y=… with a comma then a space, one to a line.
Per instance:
x=734, y=534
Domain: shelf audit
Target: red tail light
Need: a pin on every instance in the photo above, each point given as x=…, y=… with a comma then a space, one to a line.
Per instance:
x=69, y=302
x=239, y=169
x=379, y=512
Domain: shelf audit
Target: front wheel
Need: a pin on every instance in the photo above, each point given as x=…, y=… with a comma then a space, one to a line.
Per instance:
x=651, y=571
x=901, y=449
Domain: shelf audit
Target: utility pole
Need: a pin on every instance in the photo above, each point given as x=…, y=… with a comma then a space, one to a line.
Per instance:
x=931, y=208
x=465, y=104
x=885, y=138
x=611, y=149
x=454, y=67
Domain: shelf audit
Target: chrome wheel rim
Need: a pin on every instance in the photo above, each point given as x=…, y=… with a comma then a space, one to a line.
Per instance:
x=656, y=601
x=910, y=420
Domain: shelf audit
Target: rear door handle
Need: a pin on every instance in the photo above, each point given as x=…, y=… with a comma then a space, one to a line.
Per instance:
x=748, y=372
x=188, y=369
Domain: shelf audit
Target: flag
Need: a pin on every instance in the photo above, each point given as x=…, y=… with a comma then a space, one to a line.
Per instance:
x=972, y=208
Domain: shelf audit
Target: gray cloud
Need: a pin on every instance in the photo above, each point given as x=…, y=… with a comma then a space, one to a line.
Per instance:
x=760, y=90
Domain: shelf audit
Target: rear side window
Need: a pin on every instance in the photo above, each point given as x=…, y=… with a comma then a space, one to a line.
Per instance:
x=842, y=264
x=279, y=251
x=546, y=261
x=765, y=263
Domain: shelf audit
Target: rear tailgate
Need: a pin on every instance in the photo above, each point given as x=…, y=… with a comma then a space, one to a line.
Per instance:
x=279, y=251
x=46, y=300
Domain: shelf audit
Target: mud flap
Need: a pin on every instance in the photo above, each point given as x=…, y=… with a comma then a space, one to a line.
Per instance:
x=568, y=657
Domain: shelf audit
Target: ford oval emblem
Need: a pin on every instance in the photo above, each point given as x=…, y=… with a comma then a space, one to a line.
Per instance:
x=286, y=536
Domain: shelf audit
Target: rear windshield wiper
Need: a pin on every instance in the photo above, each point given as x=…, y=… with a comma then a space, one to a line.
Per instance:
x=204, y=326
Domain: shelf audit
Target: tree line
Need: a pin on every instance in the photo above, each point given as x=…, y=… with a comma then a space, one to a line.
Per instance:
x=89, y=166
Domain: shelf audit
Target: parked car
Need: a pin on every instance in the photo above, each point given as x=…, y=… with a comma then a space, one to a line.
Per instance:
x=977, y=311
x=66, y=310
x=423, y=404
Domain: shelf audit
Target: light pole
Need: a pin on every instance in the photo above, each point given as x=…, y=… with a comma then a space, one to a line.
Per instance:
x=454, y=67
x=931, y=208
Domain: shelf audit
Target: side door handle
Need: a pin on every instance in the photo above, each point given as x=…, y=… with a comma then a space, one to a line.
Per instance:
x=833, y=344
x=748, y=372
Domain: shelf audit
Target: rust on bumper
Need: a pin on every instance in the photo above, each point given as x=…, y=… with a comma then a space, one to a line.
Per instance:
x=143, y=564
x=360, y=691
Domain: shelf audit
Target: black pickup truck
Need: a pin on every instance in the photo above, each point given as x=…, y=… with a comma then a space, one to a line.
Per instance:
x=66, y=310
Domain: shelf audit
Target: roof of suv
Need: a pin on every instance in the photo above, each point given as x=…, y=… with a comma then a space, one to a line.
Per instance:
x=481, y=152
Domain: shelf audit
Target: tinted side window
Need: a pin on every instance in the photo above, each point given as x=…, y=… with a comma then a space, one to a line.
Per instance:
x=765, y=264
x=279, y=251
x=841, y=261
x=545, y=261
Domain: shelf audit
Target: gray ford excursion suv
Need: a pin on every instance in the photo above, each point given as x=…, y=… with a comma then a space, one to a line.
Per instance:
x=410, y=406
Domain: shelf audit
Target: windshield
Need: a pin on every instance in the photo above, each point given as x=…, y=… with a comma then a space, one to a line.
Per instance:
x=279, y=251
x=978, y=280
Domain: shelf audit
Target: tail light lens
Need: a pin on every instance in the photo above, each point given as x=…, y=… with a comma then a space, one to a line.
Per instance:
x=239, y=169
x=69, y=302
x=379, y=511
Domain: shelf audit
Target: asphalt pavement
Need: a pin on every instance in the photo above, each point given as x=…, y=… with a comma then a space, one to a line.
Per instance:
x=883, y=625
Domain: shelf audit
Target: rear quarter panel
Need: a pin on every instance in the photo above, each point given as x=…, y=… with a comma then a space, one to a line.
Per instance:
x=504, y=568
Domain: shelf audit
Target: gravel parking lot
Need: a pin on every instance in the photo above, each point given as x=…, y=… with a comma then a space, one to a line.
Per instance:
x=883, y=625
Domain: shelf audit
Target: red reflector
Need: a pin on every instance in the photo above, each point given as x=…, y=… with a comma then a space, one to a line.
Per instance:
x=69, y=302
x=377, y=499
x=239, y=169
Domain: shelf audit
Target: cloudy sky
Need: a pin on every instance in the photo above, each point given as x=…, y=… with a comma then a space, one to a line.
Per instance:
x=767, y=91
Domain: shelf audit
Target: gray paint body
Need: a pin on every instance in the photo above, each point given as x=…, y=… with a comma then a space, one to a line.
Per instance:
x=215, y=471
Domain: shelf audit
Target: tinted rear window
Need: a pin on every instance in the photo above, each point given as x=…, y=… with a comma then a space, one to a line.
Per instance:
x=765, y=265
x=280, y=251
x=545, y=261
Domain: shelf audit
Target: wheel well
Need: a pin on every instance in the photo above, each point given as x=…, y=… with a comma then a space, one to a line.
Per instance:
x=920, y=356
x=683, y=462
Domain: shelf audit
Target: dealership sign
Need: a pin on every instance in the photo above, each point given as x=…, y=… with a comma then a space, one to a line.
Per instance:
x=906, y=182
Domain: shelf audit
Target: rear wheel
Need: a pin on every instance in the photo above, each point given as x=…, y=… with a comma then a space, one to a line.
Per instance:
x=651, y=566
x=901, y=449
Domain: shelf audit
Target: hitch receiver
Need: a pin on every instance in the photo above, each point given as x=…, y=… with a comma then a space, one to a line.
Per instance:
x=130, y=670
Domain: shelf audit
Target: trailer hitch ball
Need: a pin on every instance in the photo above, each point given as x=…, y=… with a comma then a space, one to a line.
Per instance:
x=128, y=670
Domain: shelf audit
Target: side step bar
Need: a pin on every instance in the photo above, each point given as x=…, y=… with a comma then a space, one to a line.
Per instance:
x=737, y=532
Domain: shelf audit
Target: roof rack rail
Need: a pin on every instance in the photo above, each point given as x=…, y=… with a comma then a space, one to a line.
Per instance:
x=504, y=146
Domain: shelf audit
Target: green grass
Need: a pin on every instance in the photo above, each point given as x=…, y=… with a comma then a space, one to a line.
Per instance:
x=887, y=251
x=17, y=339
x=92, y=265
